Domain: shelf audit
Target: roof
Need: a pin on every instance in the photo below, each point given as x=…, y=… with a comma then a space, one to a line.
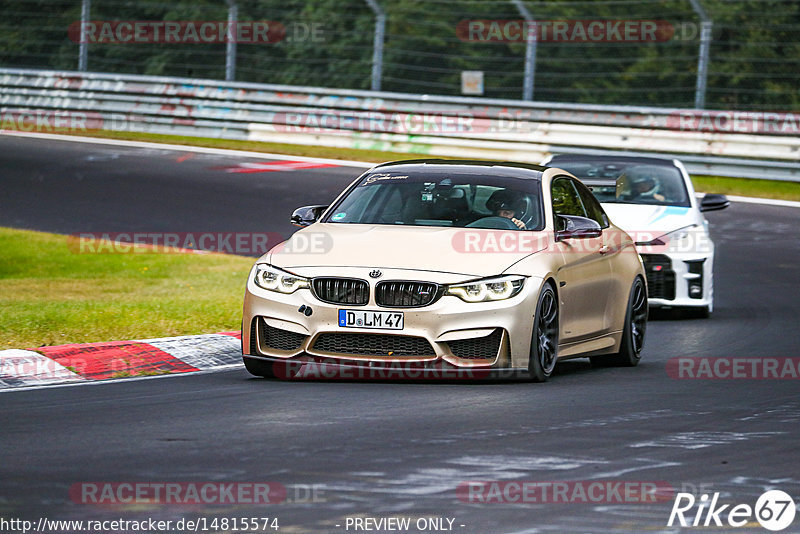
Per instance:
x=610, y=158
x=508, y=165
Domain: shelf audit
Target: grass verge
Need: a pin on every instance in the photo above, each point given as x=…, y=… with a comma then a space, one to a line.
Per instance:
x=731, y=186
x=747, y=187
x=50, y=295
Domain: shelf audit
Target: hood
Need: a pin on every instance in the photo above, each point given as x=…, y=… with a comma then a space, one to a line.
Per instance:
x=468, y=251
x=650, y=219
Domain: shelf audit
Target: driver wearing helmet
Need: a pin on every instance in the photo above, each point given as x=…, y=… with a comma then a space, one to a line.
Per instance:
x=644, y=187
x=504, y=204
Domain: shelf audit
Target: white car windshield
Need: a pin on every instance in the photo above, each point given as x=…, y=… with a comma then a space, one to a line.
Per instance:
x=631, y=183
x=465, y=200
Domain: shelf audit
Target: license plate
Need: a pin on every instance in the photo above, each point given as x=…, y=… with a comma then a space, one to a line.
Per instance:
x=371, y=319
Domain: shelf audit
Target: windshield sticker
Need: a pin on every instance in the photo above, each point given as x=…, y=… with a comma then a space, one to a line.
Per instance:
x=382, y=176
x=339, y=216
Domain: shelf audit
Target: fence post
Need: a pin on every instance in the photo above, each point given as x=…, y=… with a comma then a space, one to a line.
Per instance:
x=230, y=47
x=83, y=47
x=702, y=58
x=377, y=46
x=531, y=41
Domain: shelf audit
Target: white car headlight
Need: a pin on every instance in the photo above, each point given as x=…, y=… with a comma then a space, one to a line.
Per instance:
x=688, y=239
x=497, y=288
x=678, y=235
x=274, y=279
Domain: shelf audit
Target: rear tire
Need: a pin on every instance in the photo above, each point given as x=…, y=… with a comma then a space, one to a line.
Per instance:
x=633, y=333
x=544, y=342
x=260, y=368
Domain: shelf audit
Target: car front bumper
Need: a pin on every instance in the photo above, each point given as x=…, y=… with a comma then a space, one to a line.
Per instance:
x=680, y=279
x=448, y=332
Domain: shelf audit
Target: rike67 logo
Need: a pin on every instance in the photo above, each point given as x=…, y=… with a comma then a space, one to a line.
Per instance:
x=774, y=510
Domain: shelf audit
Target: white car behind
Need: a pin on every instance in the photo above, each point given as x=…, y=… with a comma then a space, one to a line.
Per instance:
x=654, y=201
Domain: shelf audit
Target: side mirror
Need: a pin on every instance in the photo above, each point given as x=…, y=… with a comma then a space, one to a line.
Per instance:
x=713, y=202
x=307, y=215
x=576, y=227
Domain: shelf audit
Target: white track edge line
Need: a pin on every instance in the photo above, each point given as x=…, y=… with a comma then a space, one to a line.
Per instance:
x=188, y=148
x=268, y=155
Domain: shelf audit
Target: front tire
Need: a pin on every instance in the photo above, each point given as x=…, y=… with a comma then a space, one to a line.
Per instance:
x=544, y=342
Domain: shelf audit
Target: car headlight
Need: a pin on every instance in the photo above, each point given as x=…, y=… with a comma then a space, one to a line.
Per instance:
x=488, y=289
x=274, y=279
x=678, y=235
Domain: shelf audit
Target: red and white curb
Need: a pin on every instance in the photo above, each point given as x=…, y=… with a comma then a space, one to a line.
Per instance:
x=93, y=362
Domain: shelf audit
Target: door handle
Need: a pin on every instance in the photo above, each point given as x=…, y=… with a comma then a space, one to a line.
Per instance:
x=604, y=249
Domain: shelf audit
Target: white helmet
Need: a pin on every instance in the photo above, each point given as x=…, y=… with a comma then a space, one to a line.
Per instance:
x=645, y=185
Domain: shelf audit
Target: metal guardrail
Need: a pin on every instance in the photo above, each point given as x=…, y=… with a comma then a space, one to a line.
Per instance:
x=436, y=125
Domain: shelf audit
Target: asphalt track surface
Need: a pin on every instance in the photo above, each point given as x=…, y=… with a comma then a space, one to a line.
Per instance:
x=396, y=449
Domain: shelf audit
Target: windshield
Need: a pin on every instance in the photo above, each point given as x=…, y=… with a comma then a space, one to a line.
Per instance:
x=457, y=199
x=631, y=183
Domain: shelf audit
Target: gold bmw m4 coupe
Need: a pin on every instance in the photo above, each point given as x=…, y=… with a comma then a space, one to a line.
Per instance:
x=429, y=266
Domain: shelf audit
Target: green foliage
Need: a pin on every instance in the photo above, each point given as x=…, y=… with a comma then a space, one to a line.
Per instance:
x=755, y=54
x=50, y=295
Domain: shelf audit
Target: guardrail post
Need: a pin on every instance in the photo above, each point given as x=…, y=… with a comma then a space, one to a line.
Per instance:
x=230, y=48
x=83, y=50
x=702, y=58
x=531, y=41
x=377, y=46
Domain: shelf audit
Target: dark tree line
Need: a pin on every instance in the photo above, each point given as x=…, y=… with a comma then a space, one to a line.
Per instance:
x=754, y=60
